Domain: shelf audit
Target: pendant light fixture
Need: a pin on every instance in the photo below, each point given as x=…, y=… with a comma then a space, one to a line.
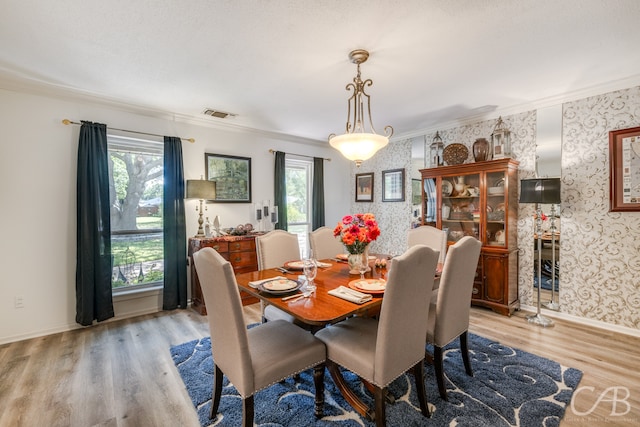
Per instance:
x=360, y=140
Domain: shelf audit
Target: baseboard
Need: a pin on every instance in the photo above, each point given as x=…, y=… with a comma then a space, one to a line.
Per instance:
x=583, y=321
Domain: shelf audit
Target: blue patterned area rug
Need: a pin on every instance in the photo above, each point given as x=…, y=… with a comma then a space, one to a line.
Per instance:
x=510, y=387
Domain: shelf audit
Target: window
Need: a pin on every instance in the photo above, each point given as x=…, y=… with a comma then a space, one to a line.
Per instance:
x=136, y=190
x=299, y=174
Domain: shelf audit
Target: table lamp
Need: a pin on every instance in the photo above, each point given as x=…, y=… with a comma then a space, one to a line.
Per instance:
x=540, y=191
x=203, y=190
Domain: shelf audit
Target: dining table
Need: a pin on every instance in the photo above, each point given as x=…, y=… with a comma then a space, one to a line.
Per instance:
x=320, y=308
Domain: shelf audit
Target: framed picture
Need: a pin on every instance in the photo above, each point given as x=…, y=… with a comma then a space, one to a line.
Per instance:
x=416, y=192
x=364, y=187
x=232, y=175
x=393, y=185
x=624, y=170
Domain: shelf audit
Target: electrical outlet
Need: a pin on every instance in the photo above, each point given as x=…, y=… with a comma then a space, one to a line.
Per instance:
x=18, y=301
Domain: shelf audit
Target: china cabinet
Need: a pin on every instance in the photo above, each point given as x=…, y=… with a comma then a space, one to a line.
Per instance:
x=481, y=200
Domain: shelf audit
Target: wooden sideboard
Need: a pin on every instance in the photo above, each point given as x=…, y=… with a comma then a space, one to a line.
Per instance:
x=240, y=251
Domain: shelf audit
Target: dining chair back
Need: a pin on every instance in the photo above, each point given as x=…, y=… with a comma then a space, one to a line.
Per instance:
x=433, y=237
x=324, y=244
x=275, y=248
x=449, y=314
x=251, y=359
x=370, y=347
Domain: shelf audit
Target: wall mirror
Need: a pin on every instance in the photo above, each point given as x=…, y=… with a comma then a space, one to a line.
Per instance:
x=548, y=165
x=418, y=161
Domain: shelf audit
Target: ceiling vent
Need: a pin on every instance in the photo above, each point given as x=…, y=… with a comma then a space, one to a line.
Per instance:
x=217, y=113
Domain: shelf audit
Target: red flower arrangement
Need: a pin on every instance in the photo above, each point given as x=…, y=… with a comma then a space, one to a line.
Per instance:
x=357, y=231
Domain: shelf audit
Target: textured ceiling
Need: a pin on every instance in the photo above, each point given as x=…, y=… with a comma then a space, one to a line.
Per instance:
x=283, y=65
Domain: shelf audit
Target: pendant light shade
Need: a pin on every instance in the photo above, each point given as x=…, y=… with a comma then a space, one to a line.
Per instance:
x=360, y=140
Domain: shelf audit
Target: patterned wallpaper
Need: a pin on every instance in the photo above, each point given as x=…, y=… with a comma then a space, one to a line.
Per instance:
x=599, y=251
x=394, y=218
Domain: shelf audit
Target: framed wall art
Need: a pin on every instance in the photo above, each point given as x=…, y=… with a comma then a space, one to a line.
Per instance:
x=624, y=174
x=364, y=187
x=393, y=185
x=232, y=175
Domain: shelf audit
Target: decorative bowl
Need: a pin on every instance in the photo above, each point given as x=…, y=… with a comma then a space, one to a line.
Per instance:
x=455, y=154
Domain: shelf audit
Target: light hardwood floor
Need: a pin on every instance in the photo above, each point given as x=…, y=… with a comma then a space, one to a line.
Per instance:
x=121, y=373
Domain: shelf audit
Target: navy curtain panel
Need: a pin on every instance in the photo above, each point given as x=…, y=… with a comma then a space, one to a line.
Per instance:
x=317, y=194
x=280, y=190
x=93, y=247
x=175, y=232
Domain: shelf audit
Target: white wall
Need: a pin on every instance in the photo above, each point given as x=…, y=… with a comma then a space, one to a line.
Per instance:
x=37, y=188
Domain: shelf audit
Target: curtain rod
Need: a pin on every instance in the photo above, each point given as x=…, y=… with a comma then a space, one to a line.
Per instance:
x=272, y=151
x=70, y=122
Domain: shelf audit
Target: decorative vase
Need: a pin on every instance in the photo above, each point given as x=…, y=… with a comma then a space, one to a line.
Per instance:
x=481, y=150
x=354, y=261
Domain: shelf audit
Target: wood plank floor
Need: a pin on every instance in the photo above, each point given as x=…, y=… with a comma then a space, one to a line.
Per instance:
x=121, y=373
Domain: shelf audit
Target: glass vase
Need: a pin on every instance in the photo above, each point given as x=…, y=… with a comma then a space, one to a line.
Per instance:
x=355, y=259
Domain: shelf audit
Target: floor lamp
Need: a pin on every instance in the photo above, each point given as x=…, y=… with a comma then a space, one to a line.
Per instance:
x=552, y=304
x=540, y=191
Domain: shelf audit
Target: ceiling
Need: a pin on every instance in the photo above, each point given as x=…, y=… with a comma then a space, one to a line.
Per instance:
x=282, y=65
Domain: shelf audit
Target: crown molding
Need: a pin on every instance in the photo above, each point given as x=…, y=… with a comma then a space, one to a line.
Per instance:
x=39, y=88
x=569, y=96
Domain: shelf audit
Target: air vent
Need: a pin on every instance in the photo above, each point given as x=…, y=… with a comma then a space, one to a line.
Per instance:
x=217, y=113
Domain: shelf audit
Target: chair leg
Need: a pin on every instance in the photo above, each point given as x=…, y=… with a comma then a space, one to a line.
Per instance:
x=418, y=374
x=438, y=365
x=217, y=391
x=380, y=402
x=318, y=380
x=464, y=348
x=247, y=411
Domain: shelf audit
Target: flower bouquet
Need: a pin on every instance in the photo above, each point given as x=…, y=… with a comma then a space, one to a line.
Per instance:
x=355, y=233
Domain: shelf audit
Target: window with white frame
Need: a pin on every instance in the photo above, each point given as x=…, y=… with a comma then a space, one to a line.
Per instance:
x=299, y=176
x=135, y=195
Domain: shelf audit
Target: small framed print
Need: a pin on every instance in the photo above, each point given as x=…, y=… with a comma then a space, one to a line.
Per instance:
x=393, y=185
x=624, y=170
x=364, y=187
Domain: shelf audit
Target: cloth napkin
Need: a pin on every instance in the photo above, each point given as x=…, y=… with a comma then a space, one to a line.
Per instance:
x=258, y=282
x=350, y=295
x=323, y=264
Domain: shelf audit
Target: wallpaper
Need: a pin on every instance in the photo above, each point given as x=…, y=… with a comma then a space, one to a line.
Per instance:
x=394, y=218
x=600, y=250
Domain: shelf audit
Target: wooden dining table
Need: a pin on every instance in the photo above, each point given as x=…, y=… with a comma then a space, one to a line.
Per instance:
x=321, y=308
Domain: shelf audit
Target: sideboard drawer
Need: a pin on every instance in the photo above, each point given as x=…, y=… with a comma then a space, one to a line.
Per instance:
x=242, y=246
x=242, y=259
x=220, y=247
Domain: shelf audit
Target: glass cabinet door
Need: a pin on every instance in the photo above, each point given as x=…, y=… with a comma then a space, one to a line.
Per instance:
x=430, y=202
x=461, y=204
x=496, y=233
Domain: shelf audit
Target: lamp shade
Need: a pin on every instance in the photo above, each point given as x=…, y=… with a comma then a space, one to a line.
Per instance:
x=358, y=146
x=540, y=190
x=201, y=189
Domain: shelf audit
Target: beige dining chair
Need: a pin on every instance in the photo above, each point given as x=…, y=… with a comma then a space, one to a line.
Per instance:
x=256, y=358
x=433, y=237
x=324, y=244
x=273, y=250
x=449, y=314
x=381, y=349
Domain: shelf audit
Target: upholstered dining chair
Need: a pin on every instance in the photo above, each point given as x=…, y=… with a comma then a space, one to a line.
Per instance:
x=449, y=313
x=256, y=358
x=433, y=237
x=273, y=250
x=379, y=350
x=324, y=244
